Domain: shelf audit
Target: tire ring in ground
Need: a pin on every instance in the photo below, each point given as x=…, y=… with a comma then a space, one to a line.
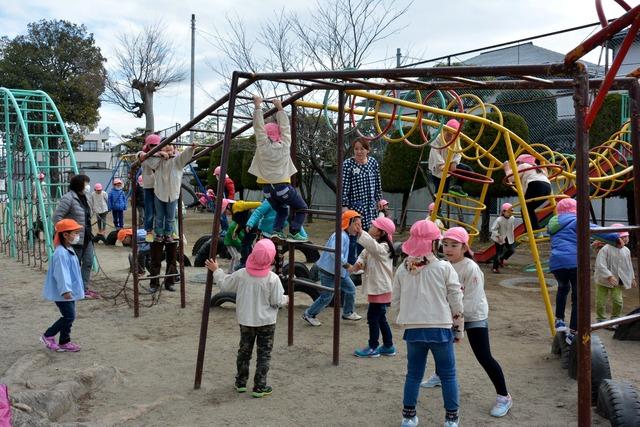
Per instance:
x=203, y=253
x=201, y=240
x=600, y=367
x=514, y=283
x=619, y=402
x=221, y=297
x=111, y=238
x=310, y=254
x=299, y=270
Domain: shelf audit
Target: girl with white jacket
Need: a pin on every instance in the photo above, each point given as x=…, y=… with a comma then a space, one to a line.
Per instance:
x=377, y=262
x=476, y=312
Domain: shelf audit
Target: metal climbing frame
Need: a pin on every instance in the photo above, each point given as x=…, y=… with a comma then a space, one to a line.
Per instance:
x=36, y=162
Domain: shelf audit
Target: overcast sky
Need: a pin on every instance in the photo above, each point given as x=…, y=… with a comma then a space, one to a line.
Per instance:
x=431, y=28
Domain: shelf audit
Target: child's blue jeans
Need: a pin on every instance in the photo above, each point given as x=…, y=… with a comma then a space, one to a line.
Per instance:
x=149, y=208
x=445, y=364
x=280, y=196
x=165, y=216
x=346, y=286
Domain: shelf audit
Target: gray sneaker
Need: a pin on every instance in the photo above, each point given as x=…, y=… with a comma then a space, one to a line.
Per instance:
x=311, y=320
x=433, y=381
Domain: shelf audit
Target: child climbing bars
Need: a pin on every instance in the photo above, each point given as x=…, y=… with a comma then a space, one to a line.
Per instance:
x=273, y=166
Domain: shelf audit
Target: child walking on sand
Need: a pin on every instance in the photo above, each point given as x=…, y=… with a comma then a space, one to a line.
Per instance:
x=259, y=294
x=377, y=262
x=476, y=312
x=63, y=285
x=168, y=180
x=99, y=204
x=431, y=314
x=351, y=226
x=502, y=233
x=273, y=166
x=613, y=272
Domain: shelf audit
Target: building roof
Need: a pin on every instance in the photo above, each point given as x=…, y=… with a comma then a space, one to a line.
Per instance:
x=525, y=54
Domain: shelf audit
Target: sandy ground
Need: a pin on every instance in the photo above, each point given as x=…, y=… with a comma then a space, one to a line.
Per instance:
x=154, y=359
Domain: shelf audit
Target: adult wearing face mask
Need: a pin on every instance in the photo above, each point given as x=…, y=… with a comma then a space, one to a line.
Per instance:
x=75, y=205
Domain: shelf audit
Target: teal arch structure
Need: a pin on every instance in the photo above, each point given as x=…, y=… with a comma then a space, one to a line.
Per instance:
x=36, y=162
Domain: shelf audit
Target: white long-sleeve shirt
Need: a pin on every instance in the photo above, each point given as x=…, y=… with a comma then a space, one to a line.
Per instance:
x=616, y=262
x=529, y=176
x=168, y=175
x=148, y=180
x=471, y=278
x=378, y=265
x=502, y=230
x=438, y=156
x=98, y=202
x=257, y=298
x=272, y=162
x=430, y=297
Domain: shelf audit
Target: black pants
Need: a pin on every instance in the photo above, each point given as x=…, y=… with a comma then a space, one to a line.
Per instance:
x=63, y=324
x=503, y=252
x=156, y=262
x=263, y=337
x=536, y=189
x=479, y=340
x=377, y=320
x=567, y=281
x=453, y=181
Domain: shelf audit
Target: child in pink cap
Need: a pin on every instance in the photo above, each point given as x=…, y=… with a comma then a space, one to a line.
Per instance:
x=476, y=312
x=273, y=166
x=259, y=294
x=384, y=210
x=502, y=232
x=613, y=272
x=535, y=185
x=438, y=154
x=431, y=313
x=377, y=262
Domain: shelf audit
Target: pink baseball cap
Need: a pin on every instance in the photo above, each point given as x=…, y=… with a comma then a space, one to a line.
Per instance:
x=226, y=203
x=273, y=131
x=117, y=181
x=421, y=237
x=385, y=224
x=41, y=176
x=140, y=179
x=506, y=207
x=431, y=206
x=383, y=202
x=150, y=141
x=261, y=258
x=460, y=235
x=453, y=123
x=526, y=158
x=216, y=171
x=567, y=205
x=622, y=233
x=97, y=187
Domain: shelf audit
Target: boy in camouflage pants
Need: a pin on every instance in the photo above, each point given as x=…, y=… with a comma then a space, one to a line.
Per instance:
x=256, y=314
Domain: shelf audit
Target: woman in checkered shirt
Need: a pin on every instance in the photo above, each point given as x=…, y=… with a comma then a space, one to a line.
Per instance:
x=361, y=188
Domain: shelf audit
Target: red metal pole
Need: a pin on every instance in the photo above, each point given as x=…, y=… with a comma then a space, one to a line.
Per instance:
x=338, y=249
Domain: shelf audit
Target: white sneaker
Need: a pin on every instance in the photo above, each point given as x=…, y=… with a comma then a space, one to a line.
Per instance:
x=311, y=320
x=357, y=273
x=409, y=422
x=450, y=424
x=502, y=406
x=433, y=381
x=352, y=316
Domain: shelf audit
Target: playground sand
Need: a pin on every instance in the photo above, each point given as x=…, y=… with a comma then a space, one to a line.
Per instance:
x=154, y=357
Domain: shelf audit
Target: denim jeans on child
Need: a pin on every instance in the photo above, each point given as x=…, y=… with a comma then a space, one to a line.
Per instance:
x=346, y=286
x=118, y=218
x=63, y=324
x=149, y=208
x=280, y=196
x=445, y=359
x=377, y=320
x=165, y=216
x=567, y=281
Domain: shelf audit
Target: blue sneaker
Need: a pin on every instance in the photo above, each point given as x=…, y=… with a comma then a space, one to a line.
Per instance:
x=367, y=352
x=560, y=325
x=502, y=406
x=387, y=351
x=409, y=422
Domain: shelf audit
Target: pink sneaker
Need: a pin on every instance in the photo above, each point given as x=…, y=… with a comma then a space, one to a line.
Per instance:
x=71, y=347
x=50, y=343
x=91, y=295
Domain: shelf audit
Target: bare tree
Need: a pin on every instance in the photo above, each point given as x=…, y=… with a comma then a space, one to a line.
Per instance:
x=336, y=34
x=145, y=64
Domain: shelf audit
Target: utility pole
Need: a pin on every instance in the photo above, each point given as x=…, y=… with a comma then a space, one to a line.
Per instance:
x=193, y=69
x=398, y=58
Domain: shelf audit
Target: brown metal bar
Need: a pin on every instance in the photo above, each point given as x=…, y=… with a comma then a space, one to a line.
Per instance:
x=503, y=70
x=601, y=36
x=314, y=246
x=207, y=131
x=338, y=253
x=214, y=231
x=536, y=79
x=235, y=117
x=318, y=212
x=159, y=276
x=583, y=336
x=183, y=298
x=468, y=81
x=364, y=82
x=291, y=292
x=617, y=321
x=603, y=230
x=134, y=243
x=635, y=153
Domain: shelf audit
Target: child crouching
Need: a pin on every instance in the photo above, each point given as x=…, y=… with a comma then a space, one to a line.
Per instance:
x=259, y=294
